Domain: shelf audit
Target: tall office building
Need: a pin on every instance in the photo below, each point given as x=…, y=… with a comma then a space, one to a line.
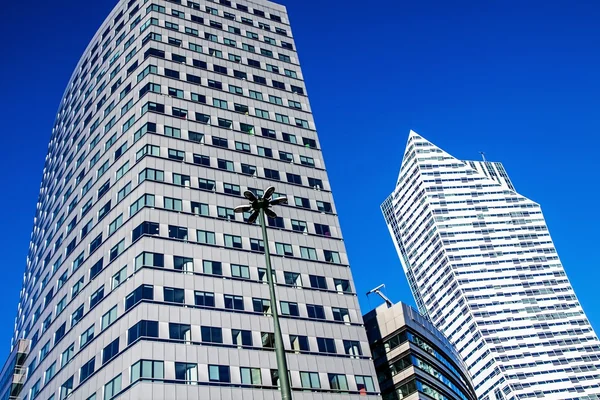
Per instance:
x=141, y=282
x=482, y=266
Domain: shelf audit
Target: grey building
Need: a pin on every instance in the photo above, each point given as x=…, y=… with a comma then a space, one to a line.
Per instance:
x=141, y=282
x=413, y=359
x=13, y=373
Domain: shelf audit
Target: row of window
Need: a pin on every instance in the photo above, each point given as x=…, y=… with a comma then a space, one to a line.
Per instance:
x=184, y=264
x=180, y=263
x=175, y=204
x=180, y=155
x=206, y=119
x=180, y=180
x=177, y=179
x=387, y=371
x=216, y=102
x=178, y=43
x=393, y=342
x=206, y=237
x=183, y=113
x=223, y=164
x=216, y=25
x=188, y=373
x=195, y=48
x=176, y=132
x=197, y=208
x=219, y=68
x=192, y=136
x=182, y=331
x=230, y=241
x=92, y=58
x=215, y=52
x=197, y=159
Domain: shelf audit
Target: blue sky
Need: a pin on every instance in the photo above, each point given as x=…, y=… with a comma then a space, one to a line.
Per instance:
x=518, y=80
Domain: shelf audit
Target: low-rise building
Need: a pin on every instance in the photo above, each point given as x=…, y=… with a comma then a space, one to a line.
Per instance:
x=412, y=358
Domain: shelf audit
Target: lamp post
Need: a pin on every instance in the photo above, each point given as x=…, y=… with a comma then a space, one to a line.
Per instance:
x=260, y=206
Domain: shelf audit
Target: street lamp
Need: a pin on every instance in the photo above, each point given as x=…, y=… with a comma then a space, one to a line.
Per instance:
x=260, y=206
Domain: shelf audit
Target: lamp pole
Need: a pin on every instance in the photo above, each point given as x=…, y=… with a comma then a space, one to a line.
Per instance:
x=260, y=206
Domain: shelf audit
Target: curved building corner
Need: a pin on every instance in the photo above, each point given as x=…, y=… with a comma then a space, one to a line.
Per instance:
x=413, y=360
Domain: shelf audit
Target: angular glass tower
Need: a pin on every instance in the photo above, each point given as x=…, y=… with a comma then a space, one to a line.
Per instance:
x=482, y=266
x=141, y=282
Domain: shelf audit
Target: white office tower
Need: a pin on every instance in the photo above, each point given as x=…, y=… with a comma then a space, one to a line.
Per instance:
x=482, y=266
x=141, y=281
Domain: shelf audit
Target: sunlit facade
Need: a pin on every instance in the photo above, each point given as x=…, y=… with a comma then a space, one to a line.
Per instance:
x=141, y=282
x=482, y=266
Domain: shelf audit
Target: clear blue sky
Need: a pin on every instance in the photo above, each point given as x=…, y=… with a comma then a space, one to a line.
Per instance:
x=516, y=79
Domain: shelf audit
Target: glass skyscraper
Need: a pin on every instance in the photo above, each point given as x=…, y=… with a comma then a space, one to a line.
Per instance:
x=482, y=266
x=141, y=282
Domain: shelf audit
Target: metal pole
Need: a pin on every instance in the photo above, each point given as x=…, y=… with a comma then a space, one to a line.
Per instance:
x=284, y=381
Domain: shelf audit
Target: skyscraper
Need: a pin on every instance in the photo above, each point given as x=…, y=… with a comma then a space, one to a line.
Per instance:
x=141, y=282
x=482, y=266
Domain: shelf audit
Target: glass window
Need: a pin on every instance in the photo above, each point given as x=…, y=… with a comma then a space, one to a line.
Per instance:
x=205, y=237
x=187, y=372
x=180, y=331
x=250, y=376
x=67, y=355
x=241, y=337
x=299, y=343
x=110, y=351
x=119, y=277
x=352, y=347
x=289, y=308
x=240, y=271
x=342, y=285
x=109, y=318
x=205, y=299
x=233, y=241
x=174, y=295
x=147, y=259
x=147, y=369
x=318, y=282
x=315, y=311
x=211, y=334
x=234, y=302
x=299, y=226
x=365, y=384
x=184, y=264
x=332, y=256
x=66, y=388
x=142, y=329
x=212, y=267
x=200, y=208
x=308, y=253
x=261, y=305
x=310, y=380
x=219, y=373
x=338, y=382
x=326, y=345
x=284, y=249
x=112, y=388
x=142, y=292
